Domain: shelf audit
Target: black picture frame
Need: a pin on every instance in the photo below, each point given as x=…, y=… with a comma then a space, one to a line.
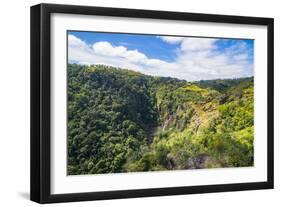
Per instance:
x=41, y=99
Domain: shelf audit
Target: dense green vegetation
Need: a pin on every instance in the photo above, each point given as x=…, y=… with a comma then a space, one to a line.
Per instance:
x=123, y=121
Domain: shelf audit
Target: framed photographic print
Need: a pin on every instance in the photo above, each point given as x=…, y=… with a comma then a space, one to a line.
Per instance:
x=132, y=103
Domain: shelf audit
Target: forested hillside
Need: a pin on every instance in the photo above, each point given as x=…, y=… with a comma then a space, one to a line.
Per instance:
x=123, y=121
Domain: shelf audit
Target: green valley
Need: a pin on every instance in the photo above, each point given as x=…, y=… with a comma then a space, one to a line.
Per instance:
x=123, y=121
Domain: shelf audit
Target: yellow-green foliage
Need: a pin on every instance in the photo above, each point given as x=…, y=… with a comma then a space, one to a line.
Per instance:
x=195, y=88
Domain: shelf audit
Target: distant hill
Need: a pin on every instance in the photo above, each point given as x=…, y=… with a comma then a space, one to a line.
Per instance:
x=123, y=121
x=224, y=84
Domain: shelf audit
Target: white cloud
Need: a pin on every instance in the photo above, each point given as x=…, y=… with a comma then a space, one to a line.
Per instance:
x=241, y=57
x=105, y=48
x=197, y=58
x=171, y=39
x=197, y=44
x=75, y=42
x=118, y=56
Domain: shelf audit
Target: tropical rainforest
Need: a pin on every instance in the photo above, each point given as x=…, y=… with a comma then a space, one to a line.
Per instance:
x=120, y=120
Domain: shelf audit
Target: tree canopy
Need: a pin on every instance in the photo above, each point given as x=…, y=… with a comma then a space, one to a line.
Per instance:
x=123, y=121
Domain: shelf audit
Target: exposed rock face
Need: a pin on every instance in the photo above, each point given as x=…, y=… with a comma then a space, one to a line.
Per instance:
x=179, y=119
x=168, y=123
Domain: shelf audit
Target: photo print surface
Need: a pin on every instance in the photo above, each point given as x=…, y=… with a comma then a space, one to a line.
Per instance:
x=138, y=103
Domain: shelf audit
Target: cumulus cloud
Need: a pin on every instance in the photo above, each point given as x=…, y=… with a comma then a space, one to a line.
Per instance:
x=197, y=58
x=117, y=56
x=106, y=49
x=75, y=42
x=197, y=44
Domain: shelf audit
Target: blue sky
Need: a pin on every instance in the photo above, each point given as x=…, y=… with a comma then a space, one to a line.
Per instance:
x=148, y=44
x=186, y=58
